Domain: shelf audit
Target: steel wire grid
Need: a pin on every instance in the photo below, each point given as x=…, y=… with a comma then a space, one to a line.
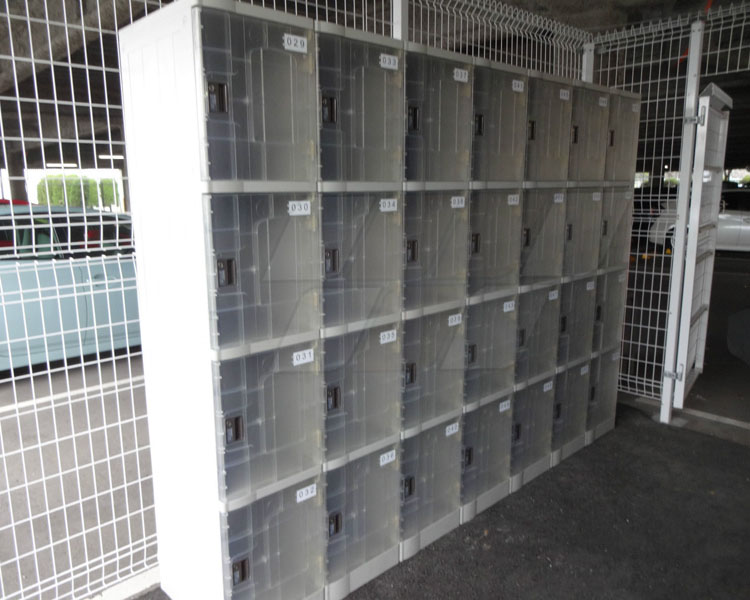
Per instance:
x=76, y=501
x=650, y=59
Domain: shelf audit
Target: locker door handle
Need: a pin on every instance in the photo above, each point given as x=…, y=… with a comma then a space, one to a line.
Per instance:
x=478, y=125
x=574, y=134
x=532, y=130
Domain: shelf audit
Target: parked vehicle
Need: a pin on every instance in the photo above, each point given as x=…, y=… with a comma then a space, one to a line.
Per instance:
x=733, y=229
x=67, y=284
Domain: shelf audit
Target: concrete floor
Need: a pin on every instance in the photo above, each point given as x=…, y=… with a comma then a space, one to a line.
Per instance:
x=646, y=512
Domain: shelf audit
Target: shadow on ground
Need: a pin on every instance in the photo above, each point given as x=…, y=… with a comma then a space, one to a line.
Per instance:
x=648, y=511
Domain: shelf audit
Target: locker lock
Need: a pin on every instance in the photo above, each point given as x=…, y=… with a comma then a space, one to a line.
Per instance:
x=234, y=429
x=333, y=397
x=240, y=571
x=331, y=260
x=521, y=338
x=478, y=125
x=563, y=323
x=611, y=137
x=328, y=109
x=411, y=251
x=413, y=118
x=408, y=487
x=468, y=456
x=516, y=435
x=471, y=354
x=226, y=272
x=526, y=237
x=475, y=243
x=335, y=524
x=592, y=394
x=558, y=411
x=410, y=373
x=569, y=231
x=217, y=97
x=604, y=227
x=598, y=316
x=532, y=130
x=574, y=134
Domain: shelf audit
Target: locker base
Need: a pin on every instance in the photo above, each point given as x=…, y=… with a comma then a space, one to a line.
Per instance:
x=361, y=575
x=529, y=473
x=567, y=450
x=599, y=431
x=493, y=496
x=429, y=534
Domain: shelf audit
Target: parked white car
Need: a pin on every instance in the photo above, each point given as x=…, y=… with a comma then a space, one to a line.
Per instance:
x=67, y=284
x=733, y=231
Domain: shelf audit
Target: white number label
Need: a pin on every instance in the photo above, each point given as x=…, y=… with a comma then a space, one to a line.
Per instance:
x=458, y=201
x=388, y=205
x=297, y=208
x=514, y=199
x=509, y=306
x=553, y=295
x=451, y=429
x=306, y=493
x=387, y=458
x=454, y=320
x=303, y=357
x=584, y=369
x=518, y=85
x=547, y=386
x=596, y=196
x=603, y=101
x=461, y=75
x=504, y=406
x=295, y=43
x=621, y=277
x=387, y=337
x=389, y=61
x=565, y=95
x=559, y=198
x=590, y=285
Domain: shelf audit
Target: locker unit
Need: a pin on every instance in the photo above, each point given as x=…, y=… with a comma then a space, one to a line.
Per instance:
x=490, y=350
x=367, y=339
x=570, y=411
x=499, y=134
x=577, y=312
x=362, y=391
x=550, y=110
x=270, y=420
x=435, y=263
x=485, y=461
x=494, y=241
x=622, y=145
x=266, y=283
x=437, y=148
x=363, y=504
x=244, y=62
x=430, y=486
x=617, y=222
x=542, y=235
x=433, y=369
x=531, y=433
x=588, y=133
x=583, y=218
x=361, y=100
x=538, y=331
x=362, y=259
x=603, y=394
x=610, y=304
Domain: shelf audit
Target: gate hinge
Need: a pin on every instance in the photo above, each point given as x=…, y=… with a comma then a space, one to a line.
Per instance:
x=676, y=376
x=700, y=119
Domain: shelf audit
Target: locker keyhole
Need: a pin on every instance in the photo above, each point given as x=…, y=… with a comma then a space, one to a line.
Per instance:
x=408, y=487
x=233, y=429
x=411, y=251
x=328, y=109
x=532, y=130
x=335, y=524
x=558, y=411
x=331, y=260
x=217, y=97
x=410, y=373
x=413, y=118
x=468, y=456
x=240, y=571
x=478, y=125
x=333, y=397
x=574, y=134
x=225, y=272
x=471, y=354
x=475, y=243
